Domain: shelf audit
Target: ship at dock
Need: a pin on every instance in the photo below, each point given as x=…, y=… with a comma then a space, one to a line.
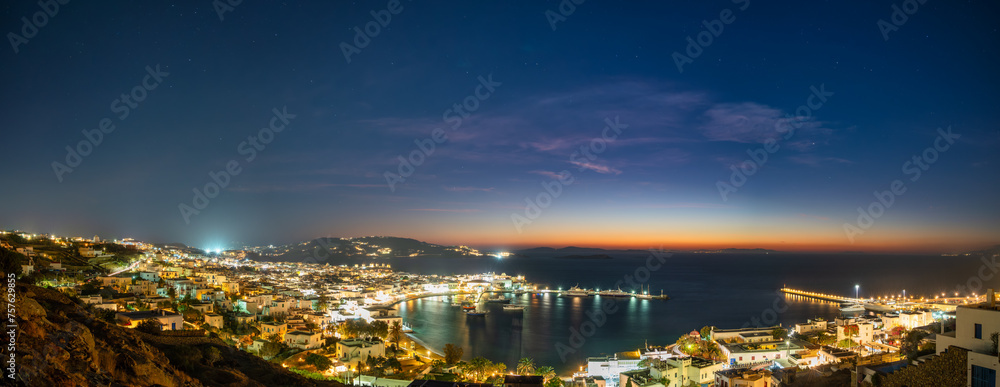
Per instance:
x=645, y=295
x=852, y=308
x=576, y=292
x=613, y=293
x=500, y=299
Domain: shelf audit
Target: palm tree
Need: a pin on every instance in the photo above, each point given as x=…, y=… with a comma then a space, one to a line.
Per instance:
x=478, y=369
x=525, y=366
x=546, y=372
x=396, y=332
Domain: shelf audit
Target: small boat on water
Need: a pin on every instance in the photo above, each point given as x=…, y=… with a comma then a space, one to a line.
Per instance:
x=475, y=313
x=852, y=308
x=645, y=295
x=468, y=306
x=513, y=307
x=500, y=299
x=614, y=293
x=577, y=292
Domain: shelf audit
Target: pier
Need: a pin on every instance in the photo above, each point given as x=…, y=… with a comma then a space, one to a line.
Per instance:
x=868, y=304
x=820, y=296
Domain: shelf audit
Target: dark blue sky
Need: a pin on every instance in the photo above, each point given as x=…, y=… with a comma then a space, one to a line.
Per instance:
x=657, y=183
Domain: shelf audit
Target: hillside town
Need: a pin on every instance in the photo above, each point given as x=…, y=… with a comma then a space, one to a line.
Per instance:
x=338, y=322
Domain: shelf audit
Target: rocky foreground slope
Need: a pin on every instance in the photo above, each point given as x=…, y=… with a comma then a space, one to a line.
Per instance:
x=60, y=343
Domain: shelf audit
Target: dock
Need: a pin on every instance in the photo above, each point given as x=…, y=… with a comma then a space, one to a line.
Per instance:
x=820, y=296
x=841, y=299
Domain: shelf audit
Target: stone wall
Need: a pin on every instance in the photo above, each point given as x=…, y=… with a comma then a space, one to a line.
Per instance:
x=945, y=370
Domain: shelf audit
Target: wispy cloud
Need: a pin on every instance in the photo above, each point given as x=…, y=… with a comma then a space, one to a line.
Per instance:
x=749, y=122
x=548, y=174
x=597, y=167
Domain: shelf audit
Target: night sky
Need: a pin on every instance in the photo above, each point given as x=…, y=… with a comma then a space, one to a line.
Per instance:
x=842, y=109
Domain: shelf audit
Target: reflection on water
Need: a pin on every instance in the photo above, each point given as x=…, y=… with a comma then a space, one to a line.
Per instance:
x=506, y=336
x=728, y=291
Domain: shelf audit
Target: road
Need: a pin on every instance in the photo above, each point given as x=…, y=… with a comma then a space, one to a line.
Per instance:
x=130, y=267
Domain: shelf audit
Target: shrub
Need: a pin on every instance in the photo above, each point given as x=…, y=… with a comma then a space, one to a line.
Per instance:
x=151, y=326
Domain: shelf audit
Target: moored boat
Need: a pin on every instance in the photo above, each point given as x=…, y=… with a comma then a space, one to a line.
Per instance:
x=644, y=294
x=853, y=308
x=614, y=293
x=576, y=292
x=513, y=307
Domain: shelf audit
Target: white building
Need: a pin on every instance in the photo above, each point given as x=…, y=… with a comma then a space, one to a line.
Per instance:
x=914, y=319
x=682, y=371
x=973, y=326
x=268, y=329
x=303, y=340
x=214, y=320
x=610, y=368
x=358, y=350
x=863, y=332
x=169, y=321
x=149, y=276
x=889, y=321
x=811, y=326
x=745, y=378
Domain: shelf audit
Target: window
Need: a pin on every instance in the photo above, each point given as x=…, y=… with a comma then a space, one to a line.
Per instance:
x=982, y=376
x=979, y=331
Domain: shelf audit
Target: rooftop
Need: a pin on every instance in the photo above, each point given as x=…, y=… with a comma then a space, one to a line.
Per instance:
x=755, y=334
x=744, y=373
x=145, y=314
x=700, y=362
x=357, y=343
x=984, y=306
